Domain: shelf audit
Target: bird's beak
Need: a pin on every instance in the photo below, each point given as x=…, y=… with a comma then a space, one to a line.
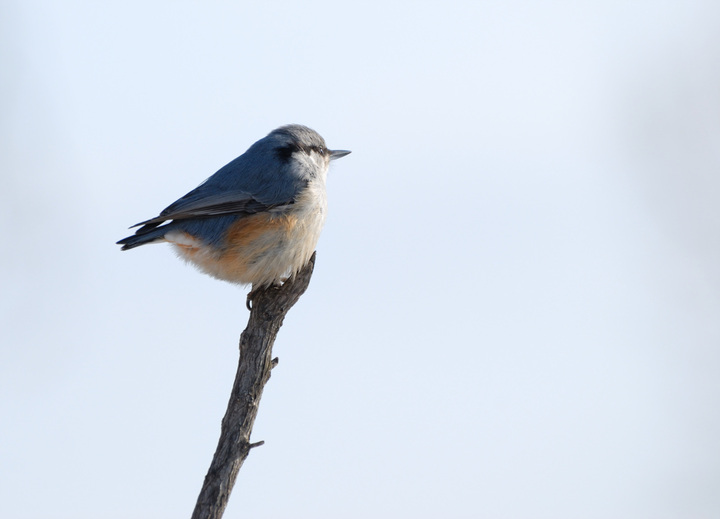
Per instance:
x=336, y=154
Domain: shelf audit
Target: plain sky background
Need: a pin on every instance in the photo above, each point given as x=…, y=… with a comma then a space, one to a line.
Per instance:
x=515, y=311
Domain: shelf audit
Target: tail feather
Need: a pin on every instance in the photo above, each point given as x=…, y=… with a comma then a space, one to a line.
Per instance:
x=142, y=239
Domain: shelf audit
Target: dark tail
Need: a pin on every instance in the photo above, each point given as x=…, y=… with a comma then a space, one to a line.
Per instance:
x=142, y=239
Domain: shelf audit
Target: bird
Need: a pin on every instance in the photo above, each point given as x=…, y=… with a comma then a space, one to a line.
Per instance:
x=257, y=220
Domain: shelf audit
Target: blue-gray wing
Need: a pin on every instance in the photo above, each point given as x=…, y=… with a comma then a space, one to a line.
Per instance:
x=249, y=184
x=220, y=204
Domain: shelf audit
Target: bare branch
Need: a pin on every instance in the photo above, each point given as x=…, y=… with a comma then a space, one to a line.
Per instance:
x=269, y=307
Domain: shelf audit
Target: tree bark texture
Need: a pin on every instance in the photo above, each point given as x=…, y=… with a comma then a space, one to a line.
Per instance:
x=269, y=307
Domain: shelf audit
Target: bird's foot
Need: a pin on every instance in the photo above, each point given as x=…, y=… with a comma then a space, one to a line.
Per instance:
x=248, y=301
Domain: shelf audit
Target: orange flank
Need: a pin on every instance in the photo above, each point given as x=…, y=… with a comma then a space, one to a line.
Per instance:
x=252, y=249
x=250, y=241
x=245, y=232
x=260, y=249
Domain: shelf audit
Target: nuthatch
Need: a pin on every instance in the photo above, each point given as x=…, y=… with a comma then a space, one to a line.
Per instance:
x=258, y=219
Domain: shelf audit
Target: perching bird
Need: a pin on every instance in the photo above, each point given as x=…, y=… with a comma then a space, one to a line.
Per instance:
x=258, y=219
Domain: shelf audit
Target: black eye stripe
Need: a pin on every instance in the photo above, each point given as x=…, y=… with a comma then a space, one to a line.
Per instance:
x=284, y=153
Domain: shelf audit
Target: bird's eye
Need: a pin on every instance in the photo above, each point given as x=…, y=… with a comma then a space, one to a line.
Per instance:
x=321, y=150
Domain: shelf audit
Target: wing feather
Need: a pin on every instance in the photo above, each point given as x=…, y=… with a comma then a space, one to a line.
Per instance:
x=219, y=204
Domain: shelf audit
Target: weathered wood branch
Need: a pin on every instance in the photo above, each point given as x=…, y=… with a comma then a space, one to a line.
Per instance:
x=269, y=307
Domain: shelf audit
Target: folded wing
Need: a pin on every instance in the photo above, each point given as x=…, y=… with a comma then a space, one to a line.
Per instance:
x=219, y=204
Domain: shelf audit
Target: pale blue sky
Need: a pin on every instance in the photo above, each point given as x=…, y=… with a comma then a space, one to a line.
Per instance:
x=516, y=307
